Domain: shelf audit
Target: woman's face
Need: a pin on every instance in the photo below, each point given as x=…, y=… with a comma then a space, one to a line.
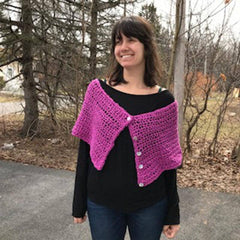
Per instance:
x=129, y=52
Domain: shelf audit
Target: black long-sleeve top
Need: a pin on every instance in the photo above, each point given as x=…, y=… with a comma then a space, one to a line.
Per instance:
x=115, y=186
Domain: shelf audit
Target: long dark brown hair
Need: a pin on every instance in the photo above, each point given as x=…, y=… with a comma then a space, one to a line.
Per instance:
x=139, y=28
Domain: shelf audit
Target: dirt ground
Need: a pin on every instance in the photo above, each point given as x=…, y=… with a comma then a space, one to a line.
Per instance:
x=49, y=150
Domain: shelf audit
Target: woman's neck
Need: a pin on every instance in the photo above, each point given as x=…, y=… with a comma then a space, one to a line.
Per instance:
x=135, y=79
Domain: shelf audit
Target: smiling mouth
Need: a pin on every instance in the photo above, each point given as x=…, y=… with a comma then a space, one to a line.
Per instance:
x=126, y=56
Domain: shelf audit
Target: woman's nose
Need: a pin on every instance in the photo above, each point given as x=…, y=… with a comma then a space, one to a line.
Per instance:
x=124, y=45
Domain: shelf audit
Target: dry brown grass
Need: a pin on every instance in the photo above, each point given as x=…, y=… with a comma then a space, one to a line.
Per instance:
x=9, y=98
x=207, y=123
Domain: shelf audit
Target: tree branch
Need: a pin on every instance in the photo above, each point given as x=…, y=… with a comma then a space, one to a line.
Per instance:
x=11, y=22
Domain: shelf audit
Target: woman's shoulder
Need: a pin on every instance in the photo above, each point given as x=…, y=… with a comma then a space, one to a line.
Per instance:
x=163, y=89
x=93, y=82
x=160, y=88
x=165, y=94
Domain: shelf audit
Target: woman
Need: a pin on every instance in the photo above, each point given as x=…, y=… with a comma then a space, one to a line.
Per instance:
x=129, y=148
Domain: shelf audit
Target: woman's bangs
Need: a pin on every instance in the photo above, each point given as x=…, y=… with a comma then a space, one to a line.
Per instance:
x=127, y=28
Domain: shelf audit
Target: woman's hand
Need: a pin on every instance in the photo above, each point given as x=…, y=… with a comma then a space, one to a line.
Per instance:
x=170, y=231
x=79, y=220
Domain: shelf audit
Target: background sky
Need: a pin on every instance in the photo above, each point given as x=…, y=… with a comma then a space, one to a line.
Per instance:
x=206, y=8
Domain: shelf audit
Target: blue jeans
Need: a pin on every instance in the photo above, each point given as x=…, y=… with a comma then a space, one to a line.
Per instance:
x=143, y=224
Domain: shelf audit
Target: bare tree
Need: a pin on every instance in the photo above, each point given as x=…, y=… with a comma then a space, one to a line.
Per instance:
x=230, y=79
x=195, y=64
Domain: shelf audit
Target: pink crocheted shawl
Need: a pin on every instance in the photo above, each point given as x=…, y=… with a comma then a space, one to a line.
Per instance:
x=154, y=134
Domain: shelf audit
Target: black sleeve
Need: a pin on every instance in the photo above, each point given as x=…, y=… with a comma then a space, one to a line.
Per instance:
x=173, y=216
x=79, y=205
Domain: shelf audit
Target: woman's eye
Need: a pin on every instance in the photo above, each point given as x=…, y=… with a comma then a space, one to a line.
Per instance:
x=132, y=39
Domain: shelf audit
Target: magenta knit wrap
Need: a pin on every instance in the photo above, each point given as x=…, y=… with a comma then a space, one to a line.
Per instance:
x=154, y=134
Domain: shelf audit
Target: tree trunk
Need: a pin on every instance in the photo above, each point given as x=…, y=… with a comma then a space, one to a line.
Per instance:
x=93, y=37
x=30, y=96
x=179, y=63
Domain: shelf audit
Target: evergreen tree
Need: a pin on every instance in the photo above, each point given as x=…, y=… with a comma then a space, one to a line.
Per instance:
x=163, y=37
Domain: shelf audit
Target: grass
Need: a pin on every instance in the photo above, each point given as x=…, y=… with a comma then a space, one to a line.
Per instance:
x=206, y=126
x=9, y=98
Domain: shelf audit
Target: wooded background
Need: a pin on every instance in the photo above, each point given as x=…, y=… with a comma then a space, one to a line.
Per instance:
x=61, y=45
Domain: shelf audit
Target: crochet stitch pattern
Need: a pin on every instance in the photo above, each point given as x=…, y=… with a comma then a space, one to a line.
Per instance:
x=154, y=134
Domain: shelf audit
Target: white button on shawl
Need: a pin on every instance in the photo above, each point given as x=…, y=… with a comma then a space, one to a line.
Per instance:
x=140, y=166
x=139, y=154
